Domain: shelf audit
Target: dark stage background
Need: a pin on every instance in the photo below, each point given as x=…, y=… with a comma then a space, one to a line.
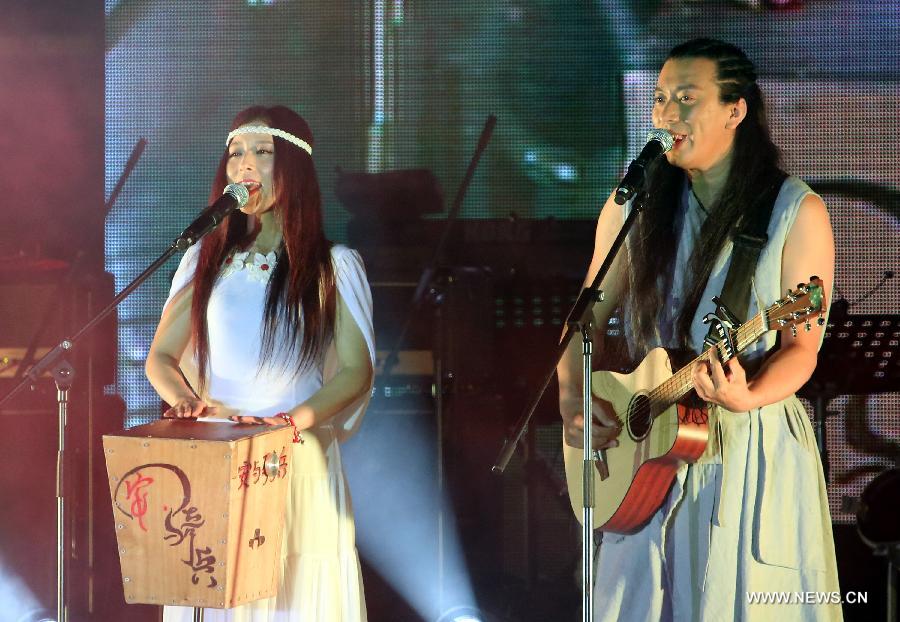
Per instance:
x=405, y=84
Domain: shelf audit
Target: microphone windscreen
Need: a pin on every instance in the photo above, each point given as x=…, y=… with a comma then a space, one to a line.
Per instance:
x=239, y=192
x=662, y=137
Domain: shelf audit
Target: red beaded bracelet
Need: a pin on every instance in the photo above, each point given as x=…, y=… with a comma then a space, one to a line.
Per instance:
x=289, y=419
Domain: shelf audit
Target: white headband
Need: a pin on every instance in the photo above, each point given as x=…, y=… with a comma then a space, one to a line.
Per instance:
x=262, y=129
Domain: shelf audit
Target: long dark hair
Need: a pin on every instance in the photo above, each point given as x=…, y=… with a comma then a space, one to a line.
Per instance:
x=653, y=243
x=299, y=315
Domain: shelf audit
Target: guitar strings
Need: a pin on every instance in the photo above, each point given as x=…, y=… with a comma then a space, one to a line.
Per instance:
x=659, y=400
x=674, y=388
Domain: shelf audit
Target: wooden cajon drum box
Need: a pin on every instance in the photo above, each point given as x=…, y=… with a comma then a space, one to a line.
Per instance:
x=199, y=510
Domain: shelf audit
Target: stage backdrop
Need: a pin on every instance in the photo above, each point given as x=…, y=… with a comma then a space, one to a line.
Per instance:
x=393, y=84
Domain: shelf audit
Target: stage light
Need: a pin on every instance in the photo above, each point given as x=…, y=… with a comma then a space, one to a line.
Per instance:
x=462, y=614
x=405, y=525
x=16, y=600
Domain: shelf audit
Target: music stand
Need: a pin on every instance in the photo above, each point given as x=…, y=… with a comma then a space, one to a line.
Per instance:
x=860, y=356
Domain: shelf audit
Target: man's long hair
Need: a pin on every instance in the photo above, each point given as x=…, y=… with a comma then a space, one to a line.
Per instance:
x=299, y=314
x=653, y=243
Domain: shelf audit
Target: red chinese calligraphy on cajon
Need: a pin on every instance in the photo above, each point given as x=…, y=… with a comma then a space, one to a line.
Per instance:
x=244, y=475
x=136, y=493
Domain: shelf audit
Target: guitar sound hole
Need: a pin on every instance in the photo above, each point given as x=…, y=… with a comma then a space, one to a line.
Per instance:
x=639, y=419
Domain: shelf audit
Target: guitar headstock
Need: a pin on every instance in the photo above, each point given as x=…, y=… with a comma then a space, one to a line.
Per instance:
x=799, y=306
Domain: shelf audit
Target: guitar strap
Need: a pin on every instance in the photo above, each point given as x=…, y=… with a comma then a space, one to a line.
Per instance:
x=748, y=244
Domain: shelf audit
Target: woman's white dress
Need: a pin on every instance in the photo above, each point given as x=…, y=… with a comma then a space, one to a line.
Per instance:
x=320, y=579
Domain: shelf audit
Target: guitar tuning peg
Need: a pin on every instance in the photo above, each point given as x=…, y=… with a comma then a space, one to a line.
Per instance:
x=821, y=321
x=793, y=330
x=807, y=326
x=801, y=287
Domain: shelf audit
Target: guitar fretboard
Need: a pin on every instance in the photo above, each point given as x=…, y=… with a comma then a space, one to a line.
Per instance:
x=676, y=387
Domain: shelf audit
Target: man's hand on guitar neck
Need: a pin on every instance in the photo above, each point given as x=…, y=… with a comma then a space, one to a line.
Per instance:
x=606, y=425
x=723, y=385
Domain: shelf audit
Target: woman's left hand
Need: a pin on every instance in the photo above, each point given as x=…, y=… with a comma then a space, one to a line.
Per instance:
x=258, y=420
x=723, y=385
x=301, y=415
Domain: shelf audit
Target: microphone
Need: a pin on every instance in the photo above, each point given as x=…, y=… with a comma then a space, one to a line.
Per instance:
x=658, y=142
x=235, y=196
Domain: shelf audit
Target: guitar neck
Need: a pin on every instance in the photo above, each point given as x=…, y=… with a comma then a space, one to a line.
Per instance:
x=680, y=383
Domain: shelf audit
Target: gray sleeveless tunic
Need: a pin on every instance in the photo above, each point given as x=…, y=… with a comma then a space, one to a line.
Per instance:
x=752, y=514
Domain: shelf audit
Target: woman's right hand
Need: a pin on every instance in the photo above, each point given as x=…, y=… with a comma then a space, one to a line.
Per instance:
x=604, y=430
x=190, y=408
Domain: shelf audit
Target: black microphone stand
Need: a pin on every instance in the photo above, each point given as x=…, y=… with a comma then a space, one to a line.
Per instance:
x=63, y=375
x=57, y=364
x=55, y=361
x=580, y=320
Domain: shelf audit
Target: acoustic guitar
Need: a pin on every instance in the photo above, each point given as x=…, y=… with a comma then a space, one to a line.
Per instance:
x=660, y=429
